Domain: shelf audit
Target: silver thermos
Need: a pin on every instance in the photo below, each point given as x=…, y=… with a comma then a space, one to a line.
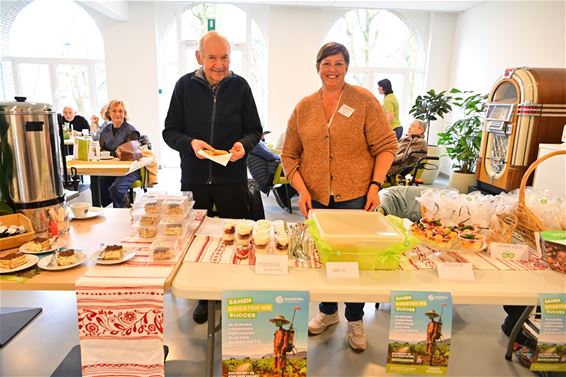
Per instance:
x=31, y=160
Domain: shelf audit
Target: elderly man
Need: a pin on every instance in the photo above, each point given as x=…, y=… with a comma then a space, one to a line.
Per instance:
x=77, y=123
x=213, y=108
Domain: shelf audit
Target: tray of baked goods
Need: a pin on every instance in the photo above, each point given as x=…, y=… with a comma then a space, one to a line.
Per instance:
x=461, y=237
x=15, y=230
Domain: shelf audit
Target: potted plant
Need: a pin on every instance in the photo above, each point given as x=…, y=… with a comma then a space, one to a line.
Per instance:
x=429, y=107
x=462, y=139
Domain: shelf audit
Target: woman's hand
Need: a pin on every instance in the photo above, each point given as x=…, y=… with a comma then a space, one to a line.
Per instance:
x=372, y=199
x=238, y=151
x=197, y=145
x=305, y=203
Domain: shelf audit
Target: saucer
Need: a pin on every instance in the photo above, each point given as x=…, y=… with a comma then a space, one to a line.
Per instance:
x=92, y=212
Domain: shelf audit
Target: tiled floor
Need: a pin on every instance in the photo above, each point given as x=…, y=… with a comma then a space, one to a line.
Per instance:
x=478, y=345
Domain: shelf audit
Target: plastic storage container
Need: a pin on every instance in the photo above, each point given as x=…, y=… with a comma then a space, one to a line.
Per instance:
x=164, y=249
x=173, y=227
x=357, y=236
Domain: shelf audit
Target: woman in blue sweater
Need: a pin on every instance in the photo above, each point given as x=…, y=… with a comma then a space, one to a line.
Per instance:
x=118, y=131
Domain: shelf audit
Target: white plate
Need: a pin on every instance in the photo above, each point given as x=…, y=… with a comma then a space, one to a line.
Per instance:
x=43, y=263
x=106, y=158
x=31, y=260
x=128, y=254
x=92, y=212
x=59, y=243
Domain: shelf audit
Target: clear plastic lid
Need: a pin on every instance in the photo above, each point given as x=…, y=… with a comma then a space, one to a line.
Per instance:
x=164, y=249
x=349, y=226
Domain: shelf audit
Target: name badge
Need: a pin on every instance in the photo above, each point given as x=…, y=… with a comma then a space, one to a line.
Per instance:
x=341, y=270
x=346, y=110
x=507, y=251
x=271, y=264
x=455, y=271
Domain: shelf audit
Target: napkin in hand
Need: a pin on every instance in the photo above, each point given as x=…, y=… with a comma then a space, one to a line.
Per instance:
x=221, y=159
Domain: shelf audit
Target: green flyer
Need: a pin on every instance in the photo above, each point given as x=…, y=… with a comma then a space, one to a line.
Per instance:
x=419, y=333
x=264, y=333
x=550, y=355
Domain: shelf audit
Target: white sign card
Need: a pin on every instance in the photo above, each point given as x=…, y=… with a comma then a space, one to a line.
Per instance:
x=269, y=264
x=342, y=270
x=455, y=271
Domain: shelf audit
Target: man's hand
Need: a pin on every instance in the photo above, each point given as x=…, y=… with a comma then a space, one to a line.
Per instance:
x=197, y=145
x=237, y=151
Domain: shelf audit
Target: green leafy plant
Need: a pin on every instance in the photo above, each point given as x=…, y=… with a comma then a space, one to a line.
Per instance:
x=430, y=107
x=462, y=139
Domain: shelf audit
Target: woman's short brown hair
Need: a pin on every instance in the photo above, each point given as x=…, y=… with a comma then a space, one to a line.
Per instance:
x=115, y=103
x=329, y=49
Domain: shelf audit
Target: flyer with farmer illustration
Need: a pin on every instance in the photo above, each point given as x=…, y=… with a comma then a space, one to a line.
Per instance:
x=264, y=333
x=419, y=333
x=550, y=355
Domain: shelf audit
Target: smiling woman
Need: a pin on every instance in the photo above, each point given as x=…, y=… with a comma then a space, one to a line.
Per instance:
x=63, y=31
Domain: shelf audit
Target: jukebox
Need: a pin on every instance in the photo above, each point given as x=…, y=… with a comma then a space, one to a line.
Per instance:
x=526, y=107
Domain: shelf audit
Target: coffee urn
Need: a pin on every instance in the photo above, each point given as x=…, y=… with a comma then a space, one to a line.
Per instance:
x=31, y=158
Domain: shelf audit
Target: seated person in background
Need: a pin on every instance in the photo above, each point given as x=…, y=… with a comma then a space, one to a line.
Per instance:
x=76, y=123
x=72, y=124
x=411, y=148
x=262, y=163
x=118, y=131
x=96, y=125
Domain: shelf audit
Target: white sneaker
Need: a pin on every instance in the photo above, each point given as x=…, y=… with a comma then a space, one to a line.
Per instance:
x=356, y=336
x=321, y=321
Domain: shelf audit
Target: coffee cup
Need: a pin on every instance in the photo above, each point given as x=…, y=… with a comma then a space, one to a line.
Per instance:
x=80, y=209
x=105, y=155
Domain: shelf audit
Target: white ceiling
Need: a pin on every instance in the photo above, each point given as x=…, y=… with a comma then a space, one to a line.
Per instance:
x=118, y=10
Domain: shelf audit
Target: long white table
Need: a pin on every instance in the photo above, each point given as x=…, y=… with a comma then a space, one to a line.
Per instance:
x=493, y=287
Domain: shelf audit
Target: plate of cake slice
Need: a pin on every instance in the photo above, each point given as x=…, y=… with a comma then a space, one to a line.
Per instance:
x=40, y=245
x=114, y=254
x=62, y=260
x=16, y=261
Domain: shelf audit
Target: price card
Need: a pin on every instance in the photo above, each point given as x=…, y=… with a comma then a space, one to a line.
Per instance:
x=455, y=271
x=341, y=270
x=508, y=251
x=271, y=264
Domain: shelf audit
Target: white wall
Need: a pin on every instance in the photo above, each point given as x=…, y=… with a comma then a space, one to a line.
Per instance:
x=493, y=36
x=131, y=65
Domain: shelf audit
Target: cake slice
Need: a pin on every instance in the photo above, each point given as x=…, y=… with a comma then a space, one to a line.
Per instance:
x=112, y=252
x=162, y=253
x=12, y=260
x=38, y=244
x=66, y=257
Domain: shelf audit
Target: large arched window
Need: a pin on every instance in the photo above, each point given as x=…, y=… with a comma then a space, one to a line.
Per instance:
x=180, y=41
x=382, y=44
x=52, y=52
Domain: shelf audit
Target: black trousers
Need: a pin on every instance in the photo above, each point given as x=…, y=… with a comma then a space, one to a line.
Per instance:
x=231, y=200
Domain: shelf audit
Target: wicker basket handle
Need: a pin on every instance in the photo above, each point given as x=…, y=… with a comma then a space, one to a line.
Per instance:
x=531, y=169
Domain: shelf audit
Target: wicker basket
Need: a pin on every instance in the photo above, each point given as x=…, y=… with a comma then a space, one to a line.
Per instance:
x=527, y=222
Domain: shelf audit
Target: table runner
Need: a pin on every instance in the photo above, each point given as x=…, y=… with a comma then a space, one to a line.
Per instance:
x=120, y=312
x=211, y=249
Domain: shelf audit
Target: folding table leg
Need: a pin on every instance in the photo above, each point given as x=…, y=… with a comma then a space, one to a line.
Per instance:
x=210, y=339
